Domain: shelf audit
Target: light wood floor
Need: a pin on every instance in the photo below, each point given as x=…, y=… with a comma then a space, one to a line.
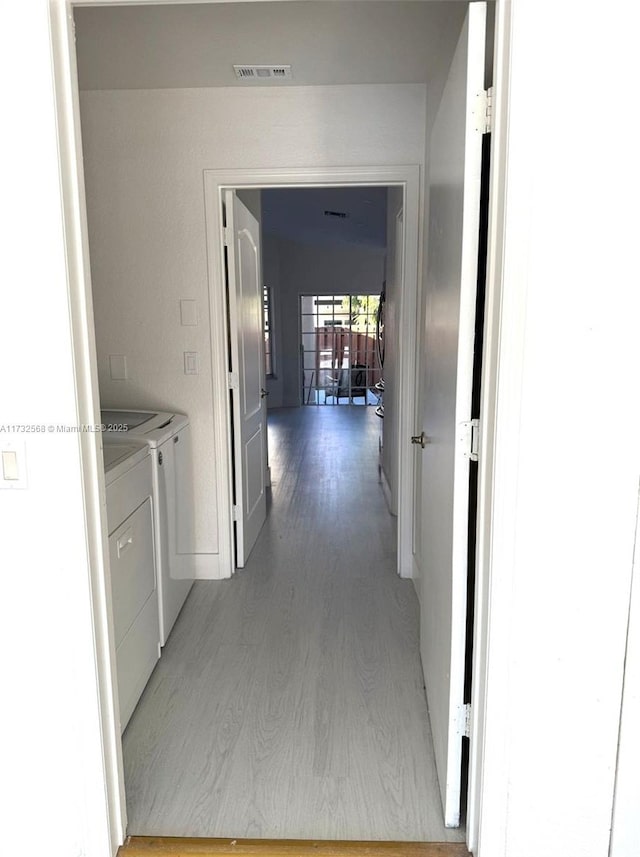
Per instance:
x=289, y=701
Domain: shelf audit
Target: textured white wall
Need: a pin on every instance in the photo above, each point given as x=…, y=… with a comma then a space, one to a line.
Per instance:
x=163, y=46
x=145, y=152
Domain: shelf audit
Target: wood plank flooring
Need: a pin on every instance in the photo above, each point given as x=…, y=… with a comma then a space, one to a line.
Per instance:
x=289, y=701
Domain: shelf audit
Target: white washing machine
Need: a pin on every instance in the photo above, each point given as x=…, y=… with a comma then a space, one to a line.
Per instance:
x=168, y=437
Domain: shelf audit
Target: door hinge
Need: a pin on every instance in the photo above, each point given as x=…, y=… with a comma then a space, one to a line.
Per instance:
x=483, y=111
x=226, y=236
x=466, y=720
x=233, y=381
x=470, y=437
x=234, y=513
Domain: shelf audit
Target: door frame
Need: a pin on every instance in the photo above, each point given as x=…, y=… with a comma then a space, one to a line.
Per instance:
x=503, y=362
x=216, y=182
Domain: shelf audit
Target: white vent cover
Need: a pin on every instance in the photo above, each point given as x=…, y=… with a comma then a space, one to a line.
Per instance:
x=262, y=73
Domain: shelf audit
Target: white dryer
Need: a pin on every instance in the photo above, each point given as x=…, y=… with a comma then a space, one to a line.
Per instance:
x=134, y=595
x=168, y=436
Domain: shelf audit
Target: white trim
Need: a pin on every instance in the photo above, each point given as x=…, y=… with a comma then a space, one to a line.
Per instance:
x=496, y=512
x=208, y=566
x=88, y=408
x=216, y=182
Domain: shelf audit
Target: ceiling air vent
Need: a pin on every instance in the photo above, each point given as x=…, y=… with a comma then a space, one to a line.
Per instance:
x=262, y=73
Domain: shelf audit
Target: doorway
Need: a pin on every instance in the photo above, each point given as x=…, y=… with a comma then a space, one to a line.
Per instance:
x=220, y=186
x=224, y=385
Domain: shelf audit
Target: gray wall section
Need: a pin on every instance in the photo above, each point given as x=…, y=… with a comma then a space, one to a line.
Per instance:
x=271, y=274
x=253, y=200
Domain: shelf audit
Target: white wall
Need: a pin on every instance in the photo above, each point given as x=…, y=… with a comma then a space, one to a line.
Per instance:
x=145, y=152
x=299, y=269
x=393, y=273
x=164, y=46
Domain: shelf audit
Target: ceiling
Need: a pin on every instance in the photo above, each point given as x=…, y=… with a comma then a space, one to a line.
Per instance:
x=196, y=45
x=298, y=214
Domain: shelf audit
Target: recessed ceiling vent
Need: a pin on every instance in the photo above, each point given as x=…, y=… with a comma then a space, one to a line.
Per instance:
x=262, y=73
x=341, y=214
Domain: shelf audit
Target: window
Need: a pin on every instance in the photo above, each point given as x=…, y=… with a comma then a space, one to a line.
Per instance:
x=269, y=365
x=339, y=349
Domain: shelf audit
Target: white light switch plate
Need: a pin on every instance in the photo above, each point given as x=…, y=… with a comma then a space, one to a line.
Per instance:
x=13, y=468
x=191, y=363
x=118, y=367
x=188, y=313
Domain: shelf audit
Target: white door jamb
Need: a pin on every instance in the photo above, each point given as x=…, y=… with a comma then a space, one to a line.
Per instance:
x=408, y=177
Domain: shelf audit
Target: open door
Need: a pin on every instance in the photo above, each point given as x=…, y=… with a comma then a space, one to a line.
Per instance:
x=249, y=413
x=445, y=443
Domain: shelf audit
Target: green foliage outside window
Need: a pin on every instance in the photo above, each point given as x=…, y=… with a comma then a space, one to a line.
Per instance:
x=362, y=309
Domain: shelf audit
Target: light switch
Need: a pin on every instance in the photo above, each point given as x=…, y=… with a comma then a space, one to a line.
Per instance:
x=188, y=313
x=118, y=367
x=13, y=468
x=10, y=465
x=191, y=363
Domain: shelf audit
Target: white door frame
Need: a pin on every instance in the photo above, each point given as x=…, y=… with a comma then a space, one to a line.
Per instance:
x=407, y=177
x=503, y=362
x=498, y=460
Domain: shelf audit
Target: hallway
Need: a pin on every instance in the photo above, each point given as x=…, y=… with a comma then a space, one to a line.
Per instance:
x=289, y=701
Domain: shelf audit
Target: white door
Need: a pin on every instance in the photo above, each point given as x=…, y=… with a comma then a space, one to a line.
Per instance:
x=454, y=207
x=247, y=372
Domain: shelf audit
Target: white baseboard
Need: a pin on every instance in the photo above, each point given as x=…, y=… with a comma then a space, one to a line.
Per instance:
x=208, y=566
